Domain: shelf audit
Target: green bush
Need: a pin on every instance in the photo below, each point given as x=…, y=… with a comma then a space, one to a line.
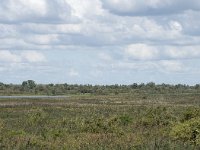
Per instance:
x=125, y=119
x=187, y=132
x=190, y=113
x=35, y=117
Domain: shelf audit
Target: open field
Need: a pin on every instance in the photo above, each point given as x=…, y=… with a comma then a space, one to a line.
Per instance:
x=122, y=121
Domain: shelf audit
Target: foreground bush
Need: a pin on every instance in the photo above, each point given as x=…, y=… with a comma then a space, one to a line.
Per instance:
x=187, y=132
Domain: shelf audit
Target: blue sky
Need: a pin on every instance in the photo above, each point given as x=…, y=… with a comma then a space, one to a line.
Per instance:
x=100, y=41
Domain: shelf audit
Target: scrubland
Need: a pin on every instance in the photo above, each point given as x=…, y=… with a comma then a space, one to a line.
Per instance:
x=114, y=121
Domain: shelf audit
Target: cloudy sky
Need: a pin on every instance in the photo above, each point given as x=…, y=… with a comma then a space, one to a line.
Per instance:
x=100, y=41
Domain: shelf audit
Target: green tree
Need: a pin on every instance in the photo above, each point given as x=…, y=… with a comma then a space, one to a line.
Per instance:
x=30, y=84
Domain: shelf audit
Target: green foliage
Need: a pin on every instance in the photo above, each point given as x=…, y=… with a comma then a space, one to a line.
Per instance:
x=30, y=87
x=125, y=119
x=190, y=113
x=1, y=125
x=128, y=119
x=35, y=117
x=30, y=84
x=188, y=131
x=158, y=116
x=91, y=127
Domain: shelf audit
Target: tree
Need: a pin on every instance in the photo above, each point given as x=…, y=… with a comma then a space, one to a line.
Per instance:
x=151, y=84
x=30, y=84
x=1, y=86
x=134, y=85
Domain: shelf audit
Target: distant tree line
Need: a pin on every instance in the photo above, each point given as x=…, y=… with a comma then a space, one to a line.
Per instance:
x=30, y=87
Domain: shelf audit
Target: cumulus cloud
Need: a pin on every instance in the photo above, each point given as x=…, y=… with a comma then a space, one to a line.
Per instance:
x=175, y=25
x=161, y=66
x=156, y=52
x=33, y=56
x=141, y=52
x=22, y=57
x=16, y=11
x=183, y=52
x=41, y=39
x=86, y=9
x=149, y=7
x=95, y=29
x=171, y=66
x=7, y=56
x=129, y=35
x=134, y=66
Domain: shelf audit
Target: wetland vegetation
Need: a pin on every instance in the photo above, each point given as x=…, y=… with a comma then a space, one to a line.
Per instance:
x=137, y=116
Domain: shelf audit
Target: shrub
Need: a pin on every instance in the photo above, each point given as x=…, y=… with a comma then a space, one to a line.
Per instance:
x=190, y=113
x=36, y=117
x=187, y=132
x=125, y=119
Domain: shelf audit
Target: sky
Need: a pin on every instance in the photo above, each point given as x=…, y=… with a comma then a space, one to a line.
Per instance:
x=100, y=41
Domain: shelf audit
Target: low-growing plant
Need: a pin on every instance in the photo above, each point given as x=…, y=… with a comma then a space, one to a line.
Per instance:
x=187, y=132
x=1, y=125
x=36, y=117
x=190, y=113
x=124, y=121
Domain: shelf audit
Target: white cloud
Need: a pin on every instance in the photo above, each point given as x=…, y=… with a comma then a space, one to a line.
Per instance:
x=35, y=28
x=98, y=28
x=156, y=31
x=134, y=65
x=149, y=7
x=160, y=66
x=86, y=9
x=129, y=35
x=33, y=56
x=43, y=39
x=142, y=52
x=34, y=11
x=175, y=25
x=7, y=56
x=156, y=52
x=191, y=22
x=7, y=30
x=172, y=66
x=182, y=52
x=21, y=57
x=93, y=29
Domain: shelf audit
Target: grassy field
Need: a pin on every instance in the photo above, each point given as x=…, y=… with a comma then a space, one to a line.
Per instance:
x=122, y=121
